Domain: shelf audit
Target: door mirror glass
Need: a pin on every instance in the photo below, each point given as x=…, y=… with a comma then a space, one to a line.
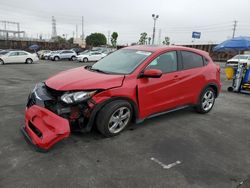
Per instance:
x=151, y=73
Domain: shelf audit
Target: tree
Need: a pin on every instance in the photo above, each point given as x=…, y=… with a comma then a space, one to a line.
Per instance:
x=59, y=39
x=166, y=41
x=96, y=39
x=71, y=40
x=143, y=38
x=114, y=37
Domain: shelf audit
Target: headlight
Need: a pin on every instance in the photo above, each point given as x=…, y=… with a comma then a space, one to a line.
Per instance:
x=76, y=97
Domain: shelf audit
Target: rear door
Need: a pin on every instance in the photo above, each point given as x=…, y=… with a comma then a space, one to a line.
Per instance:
x=22, y=56
x=191, y=76
x=97, y=56
x=160, y=94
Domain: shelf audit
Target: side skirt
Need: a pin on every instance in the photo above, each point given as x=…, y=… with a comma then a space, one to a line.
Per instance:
x=162, y=113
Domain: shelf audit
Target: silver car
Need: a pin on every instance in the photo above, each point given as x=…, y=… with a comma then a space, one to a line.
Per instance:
x=64, y=54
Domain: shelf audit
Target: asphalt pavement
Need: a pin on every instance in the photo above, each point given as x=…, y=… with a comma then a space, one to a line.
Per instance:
x=179, y=149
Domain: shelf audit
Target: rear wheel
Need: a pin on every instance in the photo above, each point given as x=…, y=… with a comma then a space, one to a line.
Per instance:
x=73, y=58
x=206, y=101
x=85, y=60
x=29, y=61
x=114, y=117
x=1, y=62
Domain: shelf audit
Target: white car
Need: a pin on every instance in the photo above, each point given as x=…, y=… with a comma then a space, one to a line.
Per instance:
x=18, y=57
x=244, y=58
x=90, y=56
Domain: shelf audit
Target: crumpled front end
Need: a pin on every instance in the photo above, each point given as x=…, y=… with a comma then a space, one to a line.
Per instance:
x=49, y=120
x=43, y=128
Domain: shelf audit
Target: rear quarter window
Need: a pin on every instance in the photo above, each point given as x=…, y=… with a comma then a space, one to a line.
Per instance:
x=191, y=60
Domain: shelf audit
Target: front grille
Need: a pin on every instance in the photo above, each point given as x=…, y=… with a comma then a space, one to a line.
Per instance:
x=31, y=100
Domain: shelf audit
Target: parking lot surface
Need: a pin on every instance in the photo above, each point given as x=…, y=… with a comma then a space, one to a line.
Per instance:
x=211, y=150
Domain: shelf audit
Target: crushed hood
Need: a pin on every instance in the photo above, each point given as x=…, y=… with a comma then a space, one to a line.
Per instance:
x=82, y=79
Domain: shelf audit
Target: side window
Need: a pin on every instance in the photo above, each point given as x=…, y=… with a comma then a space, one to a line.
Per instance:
x=191, y=60
x=166, y=62
x=13, y=54
x=22, y=53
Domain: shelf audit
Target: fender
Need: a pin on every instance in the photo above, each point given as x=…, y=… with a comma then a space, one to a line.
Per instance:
x=98, y=107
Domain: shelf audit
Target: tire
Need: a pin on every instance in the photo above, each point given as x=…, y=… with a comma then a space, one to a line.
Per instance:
x=29, y=61
x=73, y=58
x=85, y=60
x=1, y=62
x=206, y=101
x=114, y=117
x=56, y=58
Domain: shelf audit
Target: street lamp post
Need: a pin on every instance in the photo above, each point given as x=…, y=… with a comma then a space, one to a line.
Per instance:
x=155, y=17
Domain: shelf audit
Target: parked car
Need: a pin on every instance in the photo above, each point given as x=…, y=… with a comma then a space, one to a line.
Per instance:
x=18, y=57
x=47, y=55
x=78, y=50
x=131, y=84
x=90, y=56
x=239, y=58
x=41, y=53
x=64, y=54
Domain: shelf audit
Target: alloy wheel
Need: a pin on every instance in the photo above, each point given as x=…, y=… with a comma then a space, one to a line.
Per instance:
x=119, y=120
x=208, y=100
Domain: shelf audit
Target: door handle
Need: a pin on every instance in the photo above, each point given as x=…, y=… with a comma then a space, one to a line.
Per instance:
x=176, y=78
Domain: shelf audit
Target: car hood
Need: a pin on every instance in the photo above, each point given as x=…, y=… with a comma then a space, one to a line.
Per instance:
x=82, y=79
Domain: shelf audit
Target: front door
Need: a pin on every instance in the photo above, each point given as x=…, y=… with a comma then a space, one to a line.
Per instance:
x=160, y=94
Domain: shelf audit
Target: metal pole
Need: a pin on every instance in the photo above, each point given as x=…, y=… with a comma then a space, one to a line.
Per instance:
x=234, y=28
x=153, y=40
x=82, y=28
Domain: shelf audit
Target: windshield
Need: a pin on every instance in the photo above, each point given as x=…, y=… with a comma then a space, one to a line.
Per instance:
x=240, y=57
x=122, y=61
x=84, y=52
x=4, y=52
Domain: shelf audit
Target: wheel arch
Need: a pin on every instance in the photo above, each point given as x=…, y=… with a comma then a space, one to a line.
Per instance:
x=98, y=107
x=214, y=86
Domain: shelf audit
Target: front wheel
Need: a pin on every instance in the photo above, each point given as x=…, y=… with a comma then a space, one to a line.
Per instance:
x=85, y=60
x=29, y=61
x=206, y=101
x=114, y=117
x=56, y=58
x=1, y=62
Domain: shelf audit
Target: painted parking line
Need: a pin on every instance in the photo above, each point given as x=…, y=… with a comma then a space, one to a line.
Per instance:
x=164, y=166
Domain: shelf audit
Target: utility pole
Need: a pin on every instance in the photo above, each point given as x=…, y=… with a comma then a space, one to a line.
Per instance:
x=108, y=37
x=159, y=39
x=76, y=31
x=234, y=27
x=155, y=17
x=54, y=33
x=83, y=29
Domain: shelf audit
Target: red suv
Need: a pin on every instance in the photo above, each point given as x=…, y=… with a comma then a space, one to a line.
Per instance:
x=131, y=84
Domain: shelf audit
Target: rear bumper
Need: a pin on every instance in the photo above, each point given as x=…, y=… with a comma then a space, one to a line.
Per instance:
x=43, y=128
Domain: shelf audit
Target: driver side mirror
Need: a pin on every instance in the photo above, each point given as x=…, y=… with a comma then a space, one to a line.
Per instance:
x=151, y=73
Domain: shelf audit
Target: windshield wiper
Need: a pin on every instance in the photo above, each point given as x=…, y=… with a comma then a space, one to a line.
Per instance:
x=98, y=70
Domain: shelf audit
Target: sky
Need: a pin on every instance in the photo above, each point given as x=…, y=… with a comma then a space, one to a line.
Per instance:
x=177, y=18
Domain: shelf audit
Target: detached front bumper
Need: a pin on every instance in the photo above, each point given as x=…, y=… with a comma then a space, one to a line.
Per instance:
x=43, y=128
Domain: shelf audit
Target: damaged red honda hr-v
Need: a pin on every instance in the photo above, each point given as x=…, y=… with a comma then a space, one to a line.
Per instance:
x=131, y=84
